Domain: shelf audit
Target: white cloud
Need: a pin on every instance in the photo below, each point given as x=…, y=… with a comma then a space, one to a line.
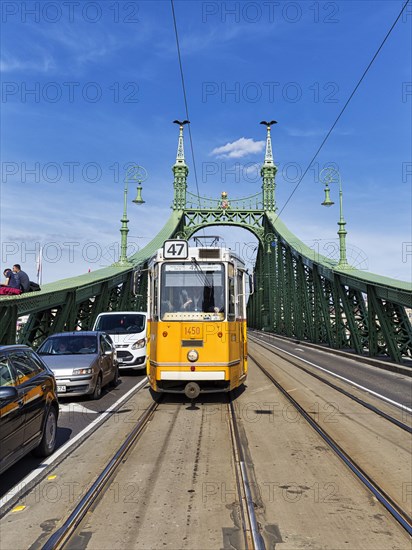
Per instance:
x=240, y=148
x=10, y=64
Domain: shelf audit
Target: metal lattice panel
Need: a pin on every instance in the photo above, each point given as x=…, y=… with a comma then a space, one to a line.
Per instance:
x=298, y=293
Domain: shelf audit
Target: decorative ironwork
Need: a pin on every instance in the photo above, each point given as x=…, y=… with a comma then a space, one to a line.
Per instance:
x=251, y=203
x=298, y=293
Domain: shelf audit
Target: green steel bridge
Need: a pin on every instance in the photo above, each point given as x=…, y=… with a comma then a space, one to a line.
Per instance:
x=298, y=292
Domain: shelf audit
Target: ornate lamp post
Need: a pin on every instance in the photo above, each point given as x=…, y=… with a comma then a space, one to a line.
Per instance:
x=327, y=176
x=137, y=174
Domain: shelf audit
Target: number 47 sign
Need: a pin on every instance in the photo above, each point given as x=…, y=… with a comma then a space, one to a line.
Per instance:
x=175, y=249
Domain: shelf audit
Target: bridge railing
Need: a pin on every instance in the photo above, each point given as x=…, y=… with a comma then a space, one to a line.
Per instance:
x=74, y=303
x=196, y=202
x=304, y=295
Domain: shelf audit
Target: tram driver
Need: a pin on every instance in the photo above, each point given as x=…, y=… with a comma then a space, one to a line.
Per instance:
x=191, y=300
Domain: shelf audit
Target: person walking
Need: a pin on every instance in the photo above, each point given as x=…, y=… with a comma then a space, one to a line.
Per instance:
x=22, y=277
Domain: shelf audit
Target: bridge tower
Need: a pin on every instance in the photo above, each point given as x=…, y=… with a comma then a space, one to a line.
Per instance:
x=180, y=172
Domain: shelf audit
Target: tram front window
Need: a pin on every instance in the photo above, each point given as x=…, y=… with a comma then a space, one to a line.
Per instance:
x=192, y=291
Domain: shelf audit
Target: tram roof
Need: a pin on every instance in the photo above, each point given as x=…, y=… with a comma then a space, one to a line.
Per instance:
x=204, y=254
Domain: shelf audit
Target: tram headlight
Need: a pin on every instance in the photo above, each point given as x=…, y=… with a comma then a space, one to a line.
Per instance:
x=192, y=355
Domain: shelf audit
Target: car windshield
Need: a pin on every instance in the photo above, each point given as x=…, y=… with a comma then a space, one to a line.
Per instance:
x=120, y=323
x=69, y=345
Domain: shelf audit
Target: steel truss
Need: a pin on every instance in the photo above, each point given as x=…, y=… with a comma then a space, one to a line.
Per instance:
x=302, y=295
x=298, y=293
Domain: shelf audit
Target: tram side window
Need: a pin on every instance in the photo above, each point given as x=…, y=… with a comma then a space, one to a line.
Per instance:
x=154, y=298
x=240, y=295
x=232, y=299
x=218, y=303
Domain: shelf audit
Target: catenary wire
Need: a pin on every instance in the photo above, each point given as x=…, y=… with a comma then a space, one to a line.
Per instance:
x=344, y=107
x=184, y=94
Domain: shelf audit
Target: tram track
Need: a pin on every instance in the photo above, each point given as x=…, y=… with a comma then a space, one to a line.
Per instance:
x=295, y=361
x=393, y=507
x=60, y=538
x=70, y=530
x=182, y=442
x=253, y=538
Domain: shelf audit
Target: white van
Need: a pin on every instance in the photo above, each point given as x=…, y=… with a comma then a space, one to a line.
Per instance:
x=128, y=332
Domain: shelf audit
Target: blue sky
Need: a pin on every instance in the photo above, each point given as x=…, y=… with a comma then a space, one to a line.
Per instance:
x=88, y=87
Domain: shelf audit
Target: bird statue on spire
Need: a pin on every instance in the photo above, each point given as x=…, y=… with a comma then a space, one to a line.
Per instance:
x=181, y=123
x=180, y=158
x=268, y=154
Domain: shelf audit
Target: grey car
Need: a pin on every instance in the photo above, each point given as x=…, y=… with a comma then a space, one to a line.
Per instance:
x=83, y=362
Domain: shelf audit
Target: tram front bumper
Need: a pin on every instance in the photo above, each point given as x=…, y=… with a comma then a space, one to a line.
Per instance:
x=191, y=376
x=176, y=381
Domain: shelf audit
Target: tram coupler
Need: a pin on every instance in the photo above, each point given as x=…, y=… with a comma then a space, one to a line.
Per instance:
x=192, y=390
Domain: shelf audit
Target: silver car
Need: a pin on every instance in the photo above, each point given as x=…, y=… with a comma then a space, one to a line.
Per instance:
x=82, y=362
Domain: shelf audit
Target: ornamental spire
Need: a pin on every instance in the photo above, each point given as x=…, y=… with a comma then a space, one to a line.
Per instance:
x=268, y=172
x=180, y=171
x=268, y=153
x=180, y=156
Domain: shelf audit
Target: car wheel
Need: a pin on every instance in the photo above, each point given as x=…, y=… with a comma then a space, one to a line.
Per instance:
x=97, y=389
x=48, y=440
x=115, y=380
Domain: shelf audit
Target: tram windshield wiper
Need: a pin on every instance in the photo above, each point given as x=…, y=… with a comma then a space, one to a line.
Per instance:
x=205, y=281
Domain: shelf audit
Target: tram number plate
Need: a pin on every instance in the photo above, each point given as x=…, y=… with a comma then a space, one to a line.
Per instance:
x=194, y=332
x=175, y=249
x=61, y=389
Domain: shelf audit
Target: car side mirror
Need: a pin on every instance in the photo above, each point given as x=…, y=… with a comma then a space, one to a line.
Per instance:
x=8, y=393
x=108, y=352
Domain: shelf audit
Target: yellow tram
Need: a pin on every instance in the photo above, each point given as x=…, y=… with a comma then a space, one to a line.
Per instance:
x=197, y=320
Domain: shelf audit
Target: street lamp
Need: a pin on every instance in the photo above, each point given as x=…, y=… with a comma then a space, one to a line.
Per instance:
x=138, y=174
x=327, y=176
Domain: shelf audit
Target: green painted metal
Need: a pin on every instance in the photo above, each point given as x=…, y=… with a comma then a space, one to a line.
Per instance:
x=298, y=292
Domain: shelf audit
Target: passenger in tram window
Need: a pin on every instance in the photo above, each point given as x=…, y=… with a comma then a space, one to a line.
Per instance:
x=167, y=306
x=170, y=300
x=186, y=301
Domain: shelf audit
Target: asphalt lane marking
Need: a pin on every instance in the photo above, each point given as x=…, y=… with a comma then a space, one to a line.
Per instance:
x=403, y=407
x=75, y=408
x=41, y=467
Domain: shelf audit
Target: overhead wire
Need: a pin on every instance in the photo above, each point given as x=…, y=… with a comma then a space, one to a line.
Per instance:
x=344, y=107
x=184, y=94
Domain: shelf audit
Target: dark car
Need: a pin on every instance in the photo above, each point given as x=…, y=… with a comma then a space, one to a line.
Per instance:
x=82, y=362
x=28, y=405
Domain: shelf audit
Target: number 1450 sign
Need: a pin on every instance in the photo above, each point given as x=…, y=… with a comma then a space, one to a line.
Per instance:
x=175, y=249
